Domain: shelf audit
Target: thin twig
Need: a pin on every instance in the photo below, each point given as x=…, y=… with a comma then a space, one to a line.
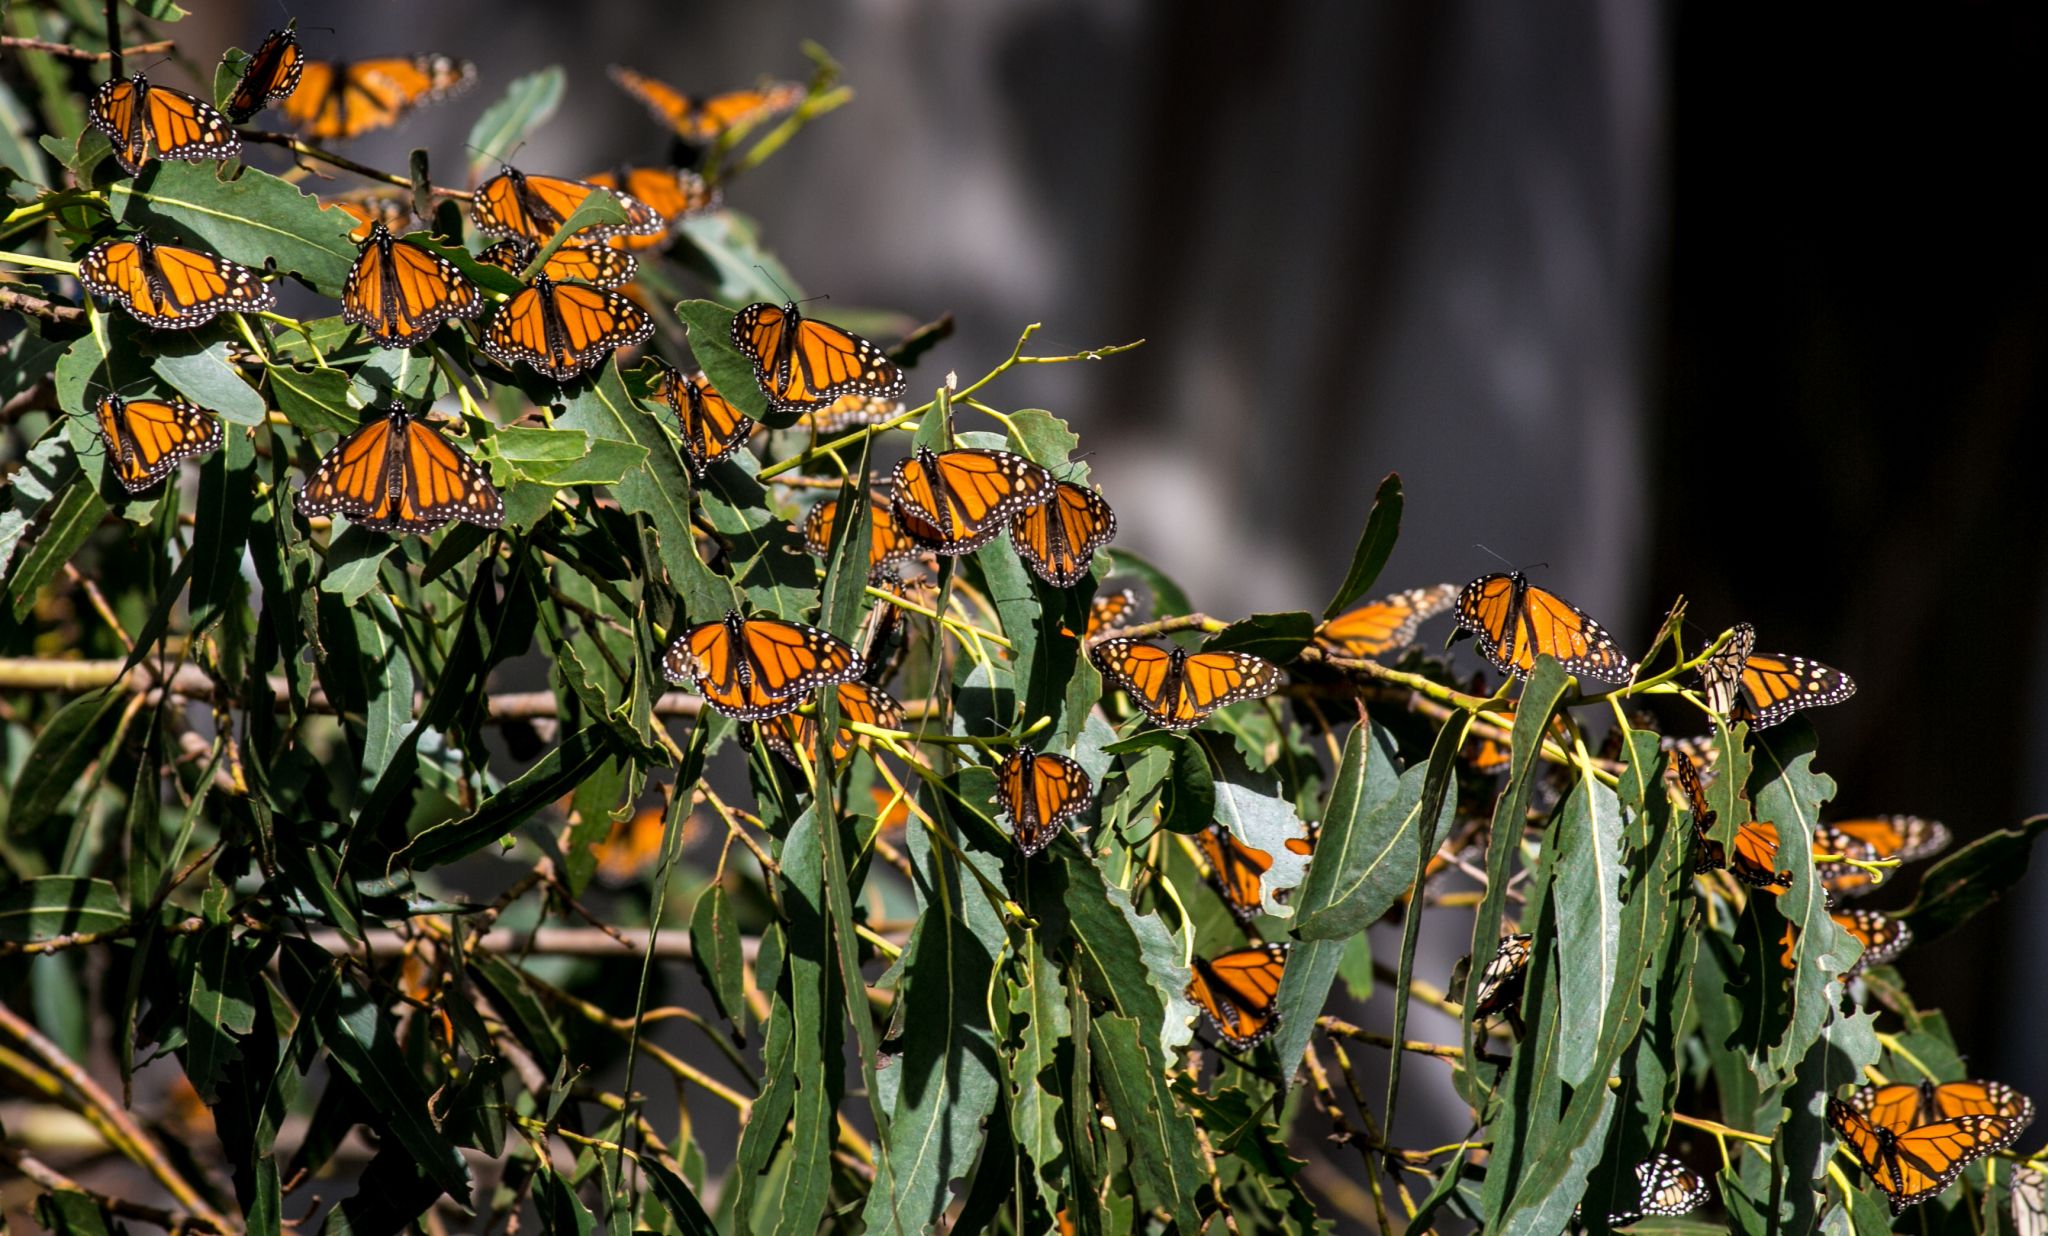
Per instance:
x=68, y=52
x=292, y=143
x=174, y=1221
x=35, y=306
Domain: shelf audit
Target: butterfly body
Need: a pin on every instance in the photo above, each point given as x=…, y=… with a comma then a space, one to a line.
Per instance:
x=712, y=427
x=272, y=73
x=1501, y=983
x=803, y=364
x=1236, y=870
x=1766, y=688
x=954, y=502
x=1237, y=992
x=1910, y=1164
x=1516, y=622
x=579, y=263
x=752, y=669
x=137, y=115
x=887, y=544
x=337, y=100
x=1664, y=1187
x=1058, y=538
x=403, y=291
x=1041, y=794
x=398, y=474
x=1387, y=624
x=1178, y=689
x=146, y=438
x=167, y=286
x=564, y=329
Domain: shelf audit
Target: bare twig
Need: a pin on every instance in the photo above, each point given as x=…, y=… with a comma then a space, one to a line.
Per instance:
x=35, y=306
x=68, y=52
x=173, y=1221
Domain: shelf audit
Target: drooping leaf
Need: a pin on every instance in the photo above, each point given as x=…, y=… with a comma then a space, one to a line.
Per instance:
x=1962, y=884
x=1382, y=528
x=528, y=103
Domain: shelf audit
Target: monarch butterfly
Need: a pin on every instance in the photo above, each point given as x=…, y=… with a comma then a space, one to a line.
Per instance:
x=887, y=543
x=1040, y=793
x=562, y=329
x=702, y=120
x=137, y=115
x=398, y=474
x=1236, y=869
x=403, y=291
x=1236, y=991
x=1913, y=1164
x=147, y=437
x=1179, y=689
x=1765, y=688
x=344, y=99
x=2029, y=1202
x=513, y=203
x=169, y=287
x=752, y=669
x=1701, y=749
x=851, y=412
x=712, y=428
x=1501, y=983
x=803, y=364
x=1901, y=1106
x=1108, y=611
x=1386, y=624
x=670, y=192
x=1517, y=621
x=1756, y=842
x=956, y=501
x=270, y=72
x=793, y=732
x=1883, y=937
x=592, y=264
x=1058, y=538
x=1664, y=1186
x=390, y=207
x=632, y=846
x=1306, y=845
x=1904, y=837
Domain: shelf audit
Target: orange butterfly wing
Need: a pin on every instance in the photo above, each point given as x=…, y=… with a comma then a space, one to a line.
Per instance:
x=887, y=545
x=1386, y=624
x=1236, y=991
x=803, y=364
x=1058, y=539
x=342, y=99
x=1912, y=1165
x=135, y=114
x=402, y=291
x=168, y=287
x=755, y=668
x=1516, y=622
x=794, y=732
x=712, y=427
x=273, y=71
x=1237, y=870
x=534, y=207
x=670, y=192
x=563, y=329
x=1109, y=611
x=398, y=474
x=1040, y=793
x=956, y=501
x=146, y=438
x=1500, y=984
x=702, y=121
x=1209, y=680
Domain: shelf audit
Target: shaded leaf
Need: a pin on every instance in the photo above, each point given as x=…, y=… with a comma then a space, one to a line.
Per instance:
x=1382, y=528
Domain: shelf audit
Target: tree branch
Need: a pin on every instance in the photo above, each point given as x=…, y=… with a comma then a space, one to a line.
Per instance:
x=35, y=306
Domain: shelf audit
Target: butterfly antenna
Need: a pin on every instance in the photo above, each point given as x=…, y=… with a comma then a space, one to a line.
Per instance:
x=1489, y=551
x=787, y=296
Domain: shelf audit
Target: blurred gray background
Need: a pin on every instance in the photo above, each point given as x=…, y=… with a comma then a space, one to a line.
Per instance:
x=1675, y=298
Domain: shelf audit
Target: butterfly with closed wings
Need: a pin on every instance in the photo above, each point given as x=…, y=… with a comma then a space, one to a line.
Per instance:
x=270, y=73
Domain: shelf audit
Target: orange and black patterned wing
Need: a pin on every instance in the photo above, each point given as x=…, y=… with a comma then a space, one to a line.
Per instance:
x=529, y=206
x=793, y=732
x=437, y=483
x=670, y=192
x=803, y=364
x=1387, y=624
x=1765, y=688
x=354, y=479
x=704, y=120
x=564, y=329
x=1921, y=1162
x=403, y=291
x=1516, y=622
x=337, y=100
x=850, y=412
x=146, y=438
x=1708, y=854
x=1500, y=984
x=1209, y=680
x=1753, y=857
x=1237, y=870
x=887, y=544
x=168, y=287
x=1883, y=937
x=117, y=110
x=272, y=72
x=1040, y=794
x=712, y=427
x=792, y=657
x=1236, y=991
x=183, y=126
x=713, y=657
x=596, y=265
x=1664, y=1187
x=954, y=502
x=1907, y=838
x=1057, y=539
x=1110, y=610
x=1145, y=672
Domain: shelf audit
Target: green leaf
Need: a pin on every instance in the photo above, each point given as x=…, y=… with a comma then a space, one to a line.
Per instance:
x=1382, y=528
x=68, y=520
x=1038, y=1090
x=51, y=906
x=1166, y=1161
x=677, y=1199
x=218, y=1009
x=254, y=219
x=528, y=104
x=946, y=1078
x=1278, y=638
x=387, y=684
x=1588, y=900
x=1253, y=806
x=355, y=559
x=203, y=375
x=57, y=762
x=1188, y=804
x=1366, y=778
x=227, y=484
x=315, y=400
x=1790, y=795
x=1962, y=884
x=1374, y=870
x=715, y=947
x=1167, y=597
x=554, y=775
